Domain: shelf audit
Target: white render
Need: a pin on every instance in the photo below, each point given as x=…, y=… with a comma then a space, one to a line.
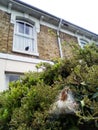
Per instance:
x=15, y=64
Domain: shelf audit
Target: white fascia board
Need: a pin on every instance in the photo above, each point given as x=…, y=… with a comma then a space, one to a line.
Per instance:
x=15, y=13
x=23, y=59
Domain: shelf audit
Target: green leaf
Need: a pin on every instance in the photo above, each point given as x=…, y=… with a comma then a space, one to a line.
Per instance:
x=95, y=95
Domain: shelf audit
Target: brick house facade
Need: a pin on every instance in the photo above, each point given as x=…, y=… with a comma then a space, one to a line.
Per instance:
x=29, y=36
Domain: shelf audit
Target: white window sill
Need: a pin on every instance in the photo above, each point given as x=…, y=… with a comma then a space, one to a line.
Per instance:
x=26, y=52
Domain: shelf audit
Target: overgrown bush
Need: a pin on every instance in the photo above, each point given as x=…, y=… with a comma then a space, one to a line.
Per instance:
x=26, y=105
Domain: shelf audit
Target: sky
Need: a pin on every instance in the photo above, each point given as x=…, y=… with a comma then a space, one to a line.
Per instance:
x=82, y=13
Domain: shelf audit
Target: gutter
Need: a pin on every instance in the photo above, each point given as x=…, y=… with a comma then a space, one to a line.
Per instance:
x=59, y=40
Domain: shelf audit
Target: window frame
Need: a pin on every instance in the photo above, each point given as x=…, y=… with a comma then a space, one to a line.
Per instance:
x=32, y=37
x=25, y=23
x=8, y=76
x=83, y=42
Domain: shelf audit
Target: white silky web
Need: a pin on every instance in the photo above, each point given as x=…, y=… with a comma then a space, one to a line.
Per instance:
x=65, y=103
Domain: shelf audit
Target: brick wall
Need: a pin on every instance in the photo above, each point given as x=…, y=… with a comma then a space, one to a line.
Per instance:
x=48, y=44
x=6, y=33
x=47, y=40
x=66, y=42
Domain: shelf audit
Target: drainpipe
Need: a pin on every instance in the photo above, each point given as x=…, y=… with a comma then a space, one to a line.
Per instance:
x=59, y=40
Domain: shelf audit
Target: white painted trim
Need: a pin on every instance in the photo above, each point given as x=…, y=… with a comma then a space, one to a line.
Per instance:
x=22, y=59
x=84, y=38
x=28, y=53
x=15, y=14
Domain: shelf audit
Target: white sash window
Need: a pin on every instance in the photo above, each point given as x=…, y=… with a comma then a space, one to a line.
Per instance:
x=83, y=42
x=24, y=38
x=11, y=77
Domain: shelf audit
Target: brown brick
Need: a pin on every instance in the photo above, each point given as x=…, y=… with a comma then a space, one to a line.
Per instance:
x=66, y=41
x=47, y=43
x=47, y=40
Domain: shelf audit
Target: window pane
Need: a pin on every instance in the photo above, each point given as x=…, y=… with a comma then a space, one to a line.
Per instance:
x=29, y=45
x=24, y=37
x=19, y=43
x=24, y=44
x=13, y=78
x=21, y=27
x=28, y=29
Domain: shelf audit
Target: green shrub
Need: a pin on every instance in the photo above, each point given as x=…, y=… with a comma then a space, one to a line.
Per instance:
x=26, y=105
